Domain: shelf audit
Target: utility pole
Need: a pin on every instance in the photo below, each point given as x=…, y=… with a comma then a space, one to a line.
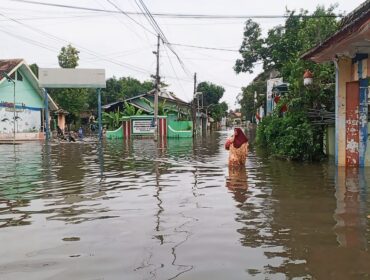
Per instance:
x=193, y=107
x=157, y=82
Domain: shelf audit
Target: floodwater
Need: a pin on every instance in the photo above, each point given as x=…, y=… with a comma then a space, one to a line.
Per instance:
x=173, y=210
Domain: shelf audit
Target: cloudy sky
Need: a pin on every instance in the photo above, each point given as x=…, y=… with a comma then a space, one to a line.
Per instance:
x=123, y=46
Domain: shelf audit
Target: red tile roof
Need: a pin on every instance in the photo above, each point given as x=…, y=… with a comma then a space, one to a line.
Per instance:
x=7, y=65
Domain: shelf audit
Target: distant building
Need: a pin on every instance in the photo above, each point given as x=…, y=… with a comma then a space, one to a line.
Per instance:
x=235, y=118
x=145, y=102
x=349, y=49
x=19, y=89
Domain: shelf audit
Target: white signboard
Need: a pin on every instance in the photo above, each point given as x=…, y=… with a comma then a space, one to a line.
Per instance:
x=142, y=127
x=71, y=78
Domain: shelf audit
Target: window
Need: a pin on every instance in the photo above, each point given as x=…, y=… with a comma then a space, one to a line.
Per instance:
x=19, y=76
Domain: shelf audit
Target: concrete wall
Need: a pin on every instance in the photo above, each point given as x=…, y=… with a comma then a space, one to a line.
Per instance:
x=180, y=129
x=26, y=120
x=344, y=76
x=8, y=137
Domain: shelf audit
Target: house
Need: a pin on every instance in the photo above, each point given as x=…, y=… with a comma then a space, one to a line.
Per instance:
x=145, y=103
x=235, y=118
x=173, y=120
x=21, y=102
x=349, y=50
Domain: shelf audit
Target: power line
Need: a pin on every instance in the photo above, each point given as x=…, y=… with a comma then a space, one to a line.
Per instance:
x=181, y=16
x=51, y=17
x=30, y=41
x=151, y=21
x=206, y=48
x=50, y=36
x=157, y=28
x=126, y=14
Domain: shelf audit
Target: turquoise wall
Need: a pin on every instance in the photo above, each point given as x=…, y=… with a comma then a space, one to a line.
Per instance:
x=180, y=129
x=24, y=93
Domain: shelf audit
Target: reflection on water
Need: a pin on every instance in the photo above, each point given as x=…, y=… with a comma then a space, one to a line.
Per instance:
x=350, y=214
x=172, y=209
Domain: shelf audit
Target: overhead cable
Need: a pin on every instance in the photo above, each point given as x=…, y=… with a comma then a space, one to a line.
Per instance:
x=53, y=37
x=177, y=15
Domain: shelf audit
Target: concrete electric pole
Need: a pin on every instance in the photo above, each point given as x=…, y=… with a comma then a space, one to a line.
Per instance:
x=157, y=82
x=194, y=114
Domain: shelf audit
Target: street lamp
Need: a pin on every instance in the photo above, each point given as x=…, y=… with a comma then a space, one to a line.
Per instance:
x=10, y=80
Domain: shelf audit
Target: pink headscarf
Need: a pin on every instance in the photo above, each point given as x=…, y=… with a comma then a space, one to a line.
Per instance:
x=239, y=138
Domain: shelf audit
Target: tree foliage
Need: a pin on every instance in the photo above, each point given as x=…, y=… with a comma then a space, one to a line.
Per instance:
x=211, y=93
x=120, y=89
x=284, y=43
x=293, y=135
x=246, y=97
x=113, y=119
x=72, y=100
x=125, y=87
x=35, y=69
x=210, y=99
x=219, y=111
x=68, y=57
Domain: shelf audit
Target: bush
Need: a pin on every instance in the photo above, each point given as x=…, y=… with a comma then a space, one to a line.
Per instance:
x=291, y=137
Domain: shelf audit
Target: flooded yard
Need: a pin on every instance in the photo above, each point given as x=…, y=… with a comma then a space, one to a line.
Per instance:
x=173, y=210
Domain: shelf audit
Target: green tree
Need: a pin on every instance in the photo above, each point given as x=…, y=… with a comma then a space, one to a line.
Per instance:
x=281, y=51
x=252, y=49
x=219, y=111
x=285, y=43
x=120, y=89
x=35, y=69
x=68, y=57
x=211, y=93
x=246, y=97
x=74, y=101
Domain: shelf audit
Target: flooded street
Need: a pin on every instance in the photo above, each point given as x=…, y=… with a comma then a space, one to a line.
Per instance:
x=135, y=211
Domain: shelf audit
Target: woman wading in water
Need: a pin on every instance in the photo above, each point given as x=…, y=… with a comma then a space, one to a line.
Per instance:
x=238, y=148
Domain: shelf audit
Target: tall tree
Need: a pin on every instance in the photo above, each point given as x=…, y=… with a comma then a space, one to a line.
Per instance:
x=73, y=100
x=219, y=111
x=120, y=89
x=68, y=57
x=284, y=43
x=211, y=93
x=281, y=50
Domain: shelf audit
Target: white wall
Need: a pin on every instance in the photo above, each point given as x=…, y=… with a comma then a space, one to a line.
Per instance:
x=26, y=120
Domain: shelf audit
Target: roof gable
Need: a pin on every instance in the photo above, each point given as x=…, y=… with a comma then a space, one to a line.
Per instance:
x=9, y=66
